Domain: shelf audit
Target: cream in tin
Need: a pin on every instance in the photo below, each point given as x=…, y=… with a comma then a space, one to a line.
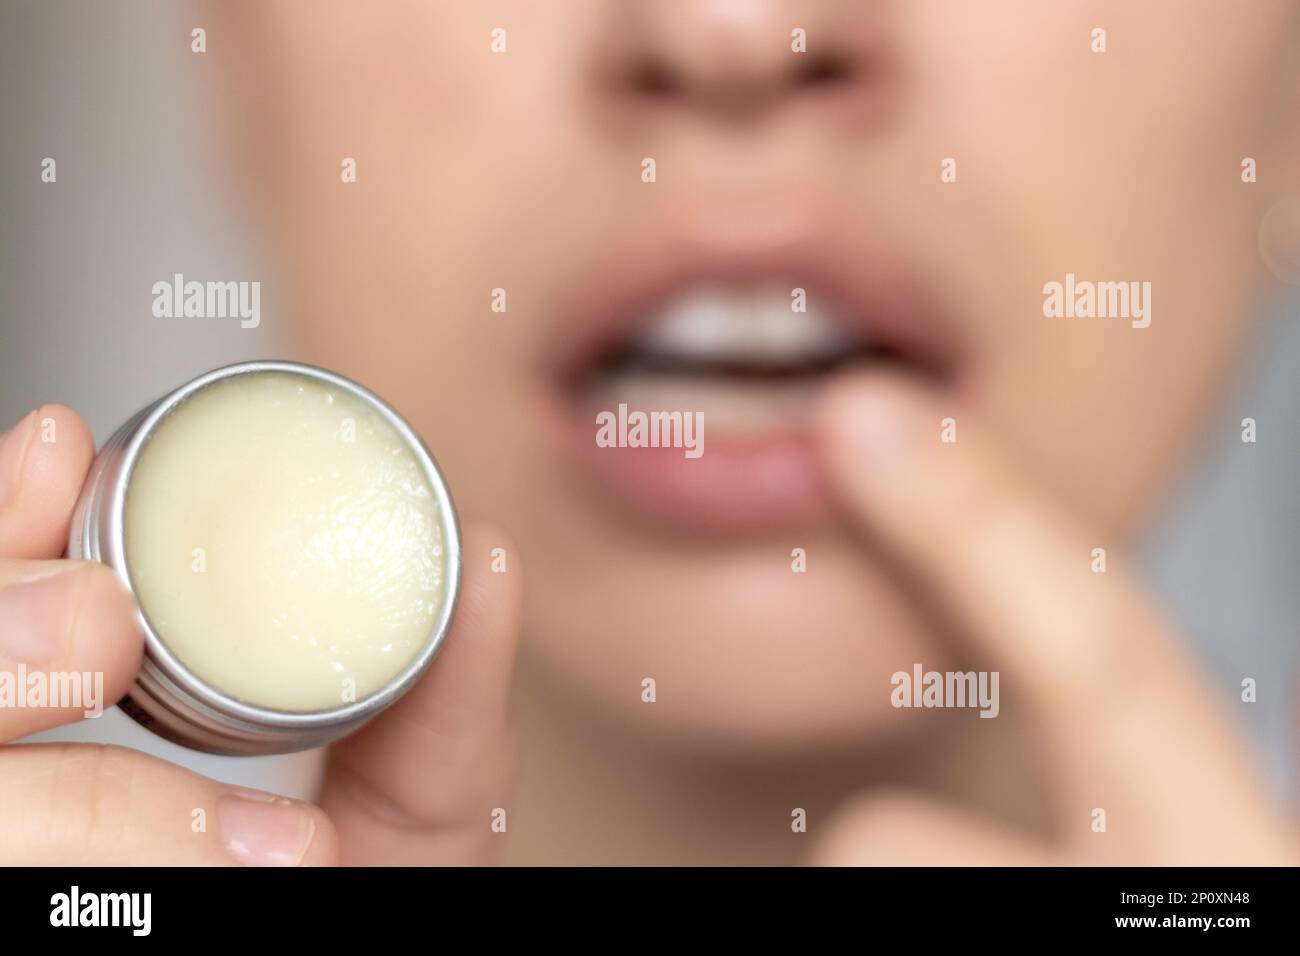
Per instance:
x=293, y=550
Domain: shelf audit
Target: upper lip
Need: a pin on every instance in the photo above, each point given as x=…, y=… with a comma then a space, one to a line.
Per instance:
x=884, y=303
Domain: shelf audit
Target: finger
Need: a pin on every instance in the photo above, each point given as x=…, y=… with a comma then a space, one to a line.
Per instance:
x=43, y=463
x=421, y=782
x=69, y=644
x=91, y=805
x=913, y=830
x=1129, y=727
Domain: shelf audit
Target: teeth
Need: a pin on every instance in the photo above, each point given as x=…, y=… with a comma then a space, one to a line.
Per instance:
x=739, y=326
x=724, y=326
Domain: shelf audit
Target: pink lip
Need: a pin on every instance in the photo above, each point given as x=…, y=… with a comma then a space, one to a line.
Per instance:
x=749, y=484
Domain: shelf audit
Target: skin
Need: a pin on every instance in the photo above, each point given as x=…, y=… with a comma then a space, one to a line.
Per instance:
x=1069, y=161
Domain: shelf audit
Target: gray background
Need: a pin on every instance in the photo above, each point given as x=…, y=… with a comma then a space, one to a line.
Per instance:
x=109, y=91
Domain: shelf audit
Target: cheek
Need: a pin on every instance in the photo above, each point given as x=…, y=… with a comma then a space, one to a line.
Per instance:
x=1071, y=161
x=467, y=163
x=1107, y=424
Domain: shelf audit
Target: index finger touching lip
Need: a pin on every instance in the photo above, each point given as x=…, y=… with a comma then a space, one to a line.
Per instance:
x=1124, y=711
x=981, y=542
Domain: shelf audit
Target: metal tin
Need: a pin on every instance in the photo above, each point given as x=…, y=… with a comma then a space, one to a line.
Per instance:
x=167, y=697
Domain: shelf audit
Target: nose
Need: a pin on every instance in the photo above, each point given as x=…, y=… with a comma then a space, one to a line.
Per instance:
x=747, y=58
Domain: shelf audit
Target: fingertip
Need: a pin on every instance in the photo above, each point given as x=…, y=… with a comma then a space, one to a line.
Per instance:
x=834, y=416
x=58, y=455
x=901, y=828
x=323, y=849
x=106, y=636
x=870, y=425
x=63, y=429
x=43, y=464
x=868, y=828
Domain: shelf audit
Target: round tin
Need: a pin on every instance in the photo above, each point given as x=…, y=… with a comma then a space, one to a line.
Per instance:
x=167, y=697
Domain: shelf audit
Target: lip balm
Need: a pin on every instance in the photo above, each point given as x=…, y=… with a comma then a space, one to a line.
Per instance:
x=292, y=548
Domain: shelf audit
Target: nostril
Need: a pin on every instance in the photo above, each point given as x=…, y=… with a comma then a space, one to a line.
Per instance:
x=653, y=78
x=823, y=71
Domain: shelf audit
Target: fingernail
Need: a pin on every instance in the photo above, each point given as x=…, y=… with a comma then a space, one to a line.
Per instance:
x=35, y=611
x=263, y=830
x=13, y=449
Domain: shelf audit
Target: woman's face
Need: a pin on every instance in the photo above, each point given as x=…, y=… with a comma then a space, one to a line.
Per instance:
x=774, y=171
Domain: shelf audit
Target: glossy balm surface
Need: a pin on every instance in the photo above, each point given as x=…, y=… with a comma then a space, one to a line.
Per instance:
x=284, y=543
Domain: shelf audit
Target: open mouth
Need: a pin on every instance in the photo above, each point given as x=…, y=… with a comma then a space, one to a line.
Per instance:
x=749, y=358
x=740, y=349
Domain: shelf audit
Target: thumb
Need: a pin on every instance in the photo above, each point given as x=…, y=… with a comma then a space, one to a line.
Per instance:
x=420, y=783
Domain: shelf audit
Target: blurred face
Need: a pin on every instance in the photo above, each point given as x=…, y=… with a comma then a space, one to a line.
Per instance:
x=509, y=264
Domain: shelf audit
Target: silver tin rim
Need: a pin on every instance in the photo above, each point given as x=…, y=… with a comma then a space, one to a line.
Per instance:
x=218, y=722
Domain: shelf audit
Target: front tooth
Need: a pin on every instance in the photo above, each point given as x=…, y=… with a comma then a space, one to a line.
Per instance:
x=730, y=325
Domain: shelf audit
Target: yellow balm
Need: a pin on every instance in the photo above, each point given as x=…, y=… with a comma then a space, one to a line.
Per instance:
x=284, y=542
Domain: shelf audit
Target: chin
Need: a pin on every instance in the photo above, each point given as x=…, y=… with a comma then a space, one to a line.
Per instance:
x=747, y=655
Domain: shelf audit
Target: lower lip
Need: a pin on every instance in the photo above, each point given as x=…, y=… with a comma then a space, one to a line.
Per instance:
x=737, y=484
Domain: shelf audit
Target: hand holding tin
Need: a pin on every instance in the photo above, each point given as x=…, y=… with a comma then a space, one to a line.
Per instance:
x=409, y=787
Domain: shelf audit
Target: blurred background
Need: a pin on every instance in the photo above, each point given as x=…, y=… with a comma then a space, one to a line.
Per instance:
x=110, y=92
